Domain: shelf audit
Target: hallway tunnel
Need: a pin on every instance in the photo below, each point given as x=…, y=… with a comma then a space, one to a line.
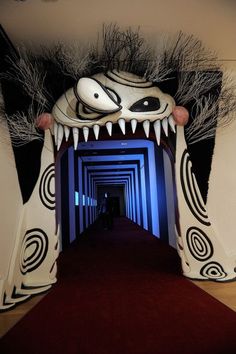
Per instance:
x=137, y=174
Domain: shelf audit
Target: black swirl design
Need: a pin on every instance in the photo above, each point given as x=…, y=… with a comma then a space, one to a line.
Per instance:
x=34, y=250
x=199, y=244
x=191, y=191
x=47, y=181
x=213, y=270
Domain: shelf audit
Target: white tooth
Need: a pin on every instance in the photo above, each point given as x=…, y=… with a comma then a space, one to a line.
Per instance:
x=96, y=129
x=121, y=123
x=134, y=125
x=60, y=134
x=165, y=125
x=67, y=132
x=55, y=129
x=146, y=127
x=157, y=128
x=171, y=123
x=86, y=133
x=109, y=128
x=76, y=137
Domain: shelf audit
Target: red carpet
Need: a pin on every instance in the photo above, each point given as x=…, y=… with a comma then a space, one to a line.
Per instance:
x=121, y=292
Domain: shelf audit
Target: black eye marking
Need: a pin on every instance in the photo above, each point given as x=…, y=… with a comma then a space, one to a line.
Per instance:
x=86, y=110
x=114, y=96
x=86, y=114
x=96, y=95
x=146, y=104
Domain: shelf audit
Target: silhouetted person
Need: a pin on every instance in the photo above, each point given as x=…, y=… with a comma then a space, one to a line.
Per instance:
x=106, y=211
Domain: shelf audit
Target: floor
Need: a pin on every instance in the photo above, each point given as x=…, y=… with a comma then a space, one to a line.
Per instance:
x=224, y=292
x=9, y=318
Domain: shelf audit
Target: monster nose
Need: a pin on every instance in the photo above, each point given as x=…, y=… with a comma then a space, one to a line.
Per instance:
x=181, y=115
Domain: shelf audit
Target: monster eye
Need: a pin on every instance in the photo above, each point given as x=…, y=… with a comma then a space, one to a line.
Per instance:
x=93, y=95
x=146, y=104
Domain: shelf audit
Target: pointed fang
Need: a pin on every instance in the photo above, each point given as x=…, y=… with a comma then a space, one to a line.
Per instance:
x=157, y=129
x=134, y=125
x=96, y=129
x=67, y=132
x=172, y=123
x=109, y=128
x=86, y=133
x=146, y=127
x=121, y=123
x=164, y=123
x=60, y=135
x=55, y=129
x=75, y=137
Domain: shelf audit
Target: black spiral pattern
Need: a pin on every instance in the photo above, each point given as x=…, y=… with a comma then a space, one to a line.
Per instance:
x=190, y=190
x=199, y=244
x=34, y=250
x=213, y=270
x=46, y=195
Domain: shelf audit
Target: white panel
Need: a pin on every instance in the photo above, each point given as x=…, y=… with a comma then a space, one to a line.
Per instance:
x=33, y=238
x=221, y=202
x=169, y=199
x=200, y=245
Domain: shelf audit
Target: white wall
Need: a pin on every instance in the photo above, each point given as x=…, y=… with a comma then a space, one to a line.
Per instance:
x=213, y=21
x=11, y=208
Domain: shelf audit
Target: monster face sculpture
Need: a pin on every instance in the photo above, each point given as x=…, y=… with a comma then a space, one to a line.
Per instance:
x=72, y=100
x=112, y=98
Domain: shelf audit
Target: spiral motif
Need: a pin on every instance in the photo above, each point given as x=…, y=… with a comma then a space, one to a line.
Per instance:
x=34, y=250
x=213, y=270
x=199, y=244
x=47, y=187
x=191, y=191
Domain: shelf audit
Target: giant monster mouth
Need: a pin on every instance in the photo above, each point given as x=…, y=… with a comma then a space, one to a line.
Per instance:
x=159, y=130
x=126, y=143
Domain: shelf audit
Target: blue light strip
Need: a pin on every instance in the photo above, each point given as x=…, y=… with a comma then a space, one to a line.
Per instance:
x=153, y=194
x=71, y=192
x=76, y=198
x=80, y=184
